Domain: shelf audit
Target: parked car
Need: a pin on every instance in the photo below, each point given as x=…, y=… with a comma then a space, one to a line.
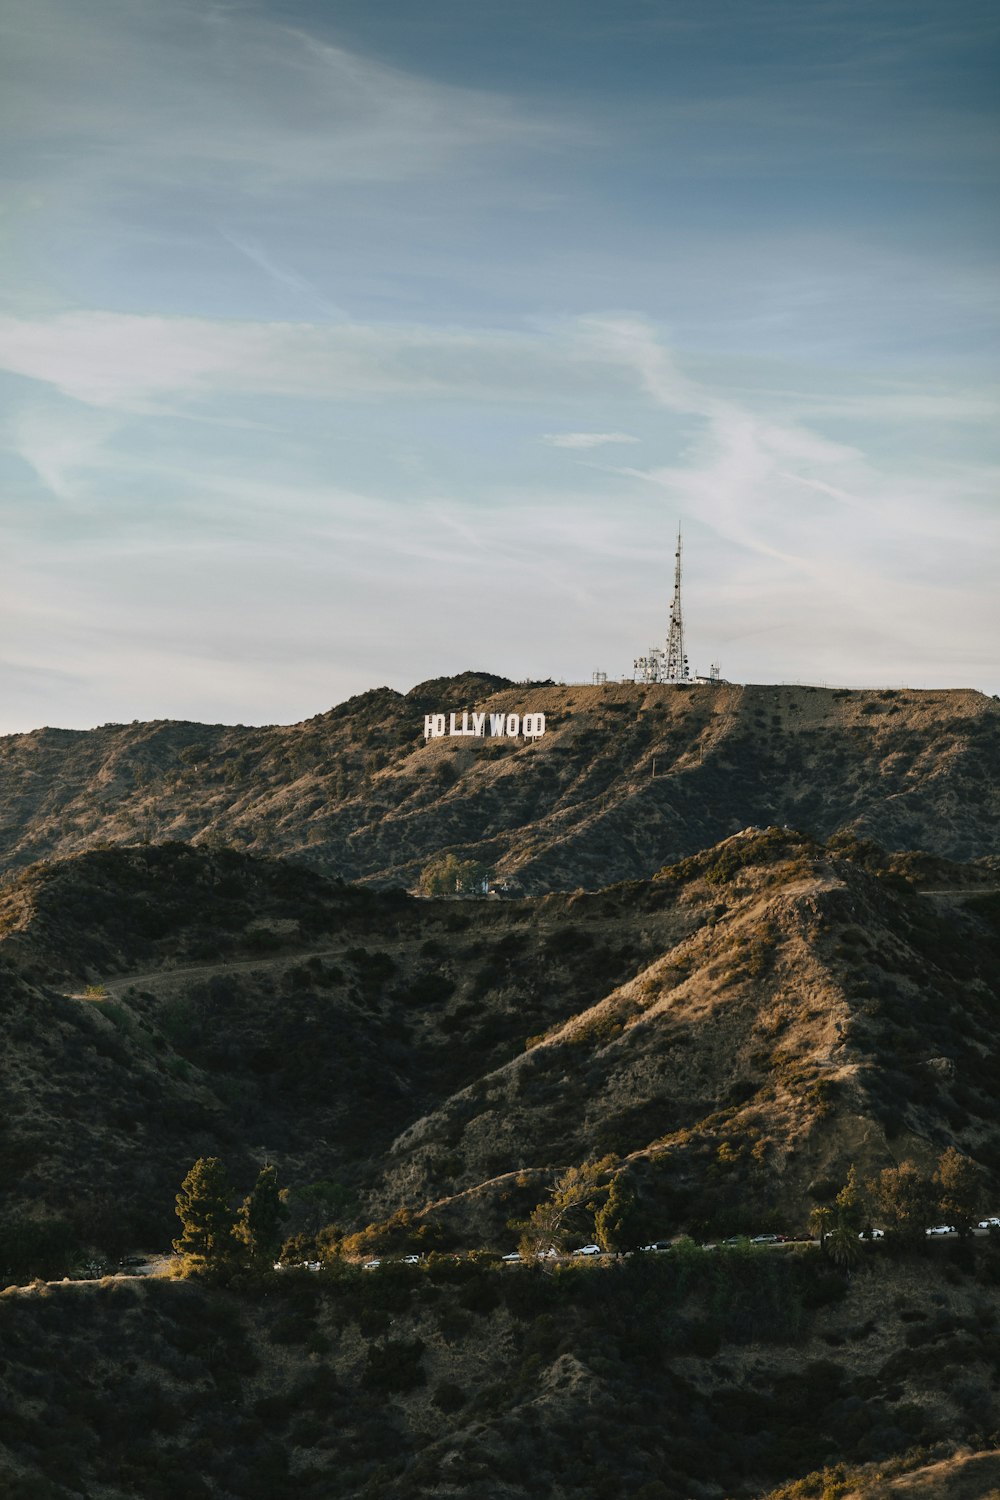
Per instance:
x=658, y=1245
x=371, y=1265
x=549, y=1254
x=941, y=1229
x=515, y=1256
x=764, y=1239
x=411, y=1260
x=872, y=1234
x=589, y=1250
x=989, y=1224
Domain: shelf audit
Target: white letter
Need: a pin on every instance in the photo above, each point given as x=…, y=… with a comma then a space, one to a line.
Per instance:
x=534, y=725
x=428, y=726
x=439, y=725
x=452, y=729
x=497, y=722
x=478, y=721
x=465, y=725
x=513, y=726
x=433, y=726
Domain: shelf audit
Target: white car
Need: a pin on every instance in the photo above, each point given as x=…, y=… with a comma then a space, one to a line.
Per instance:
x=371, y=1265
x=989, y=1223
x=516, y=1256
x=549, y=1254
x=660, y=1245
x=411, y=1260
x=589, y=1250
x=873, y=1234
x=941, y=1229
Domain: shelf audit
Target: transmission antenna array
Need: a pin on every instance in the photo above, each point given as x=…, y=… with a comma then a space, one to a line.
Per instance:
x=670, y=665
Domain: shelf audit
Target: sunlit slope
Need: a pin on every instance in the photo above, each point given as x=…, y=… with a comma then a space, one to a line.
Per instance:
x=626, y=779
x=813, y=1013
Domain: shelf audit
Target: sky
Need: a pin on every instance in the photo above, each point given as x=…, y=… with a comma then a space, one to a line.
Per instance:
x=356, y=342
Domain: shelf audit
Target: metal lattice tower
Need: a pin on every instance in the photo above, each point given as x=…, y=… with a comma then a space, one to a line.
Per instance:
x=677, y=662
x=670, y=665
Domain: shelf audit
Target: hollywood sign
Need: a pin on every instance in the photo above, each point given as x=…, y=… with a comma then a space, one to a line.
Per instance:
x=501, y=726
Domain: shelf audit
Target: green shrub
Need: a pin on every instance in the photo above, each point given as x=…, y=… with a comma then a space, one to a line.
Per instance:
x=395, y=1366
x=449, y=1397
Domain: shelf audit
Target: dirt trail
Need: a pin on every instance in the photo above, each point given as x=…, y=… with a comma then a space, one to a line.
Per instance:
x=157, y=978
x=962, y=895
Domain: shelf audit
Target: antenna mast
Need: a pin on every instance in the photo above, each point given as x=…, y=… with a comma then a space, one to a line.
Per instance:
x=677, y=662
x=670, y=665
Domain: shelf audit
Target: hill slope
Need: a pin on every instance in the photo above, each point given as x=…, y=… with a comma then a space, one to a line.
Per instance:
x=627, y=778
x=713, y=1378
x=737, y=1031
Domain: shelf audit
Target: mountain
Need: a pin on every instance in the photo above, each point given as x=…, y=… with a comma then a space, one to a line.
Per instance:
x=627, y=778
x=728, y=1013
x=735, y=1032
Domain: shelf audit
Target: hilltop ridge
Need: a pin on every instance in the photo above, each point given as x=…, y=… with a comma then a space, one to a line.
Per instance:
x=627, y=778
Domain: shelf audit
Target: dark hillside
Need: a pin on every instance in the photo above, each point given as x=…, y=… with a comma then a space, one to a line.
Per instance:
x=694, y=1379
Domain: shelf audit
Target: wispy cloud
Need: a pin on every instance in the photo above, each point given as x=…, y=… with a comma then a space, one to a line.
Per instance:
x=230, y=90
x=132, y=362
x=282, y=274
x=586, y=439
x=61, y=441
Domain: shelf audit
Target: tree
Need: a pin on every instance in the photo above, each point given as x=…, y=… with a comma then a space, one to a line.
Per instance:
x=573, y=1199
x=451, y=876
x=618, y=1222
x=842, y=1246
x=849, y=1201
x=821, y=1221
x=905, y=1201
x=259, y=1222
x=960, y=1186
x=837, y=1226
x=206, y=1240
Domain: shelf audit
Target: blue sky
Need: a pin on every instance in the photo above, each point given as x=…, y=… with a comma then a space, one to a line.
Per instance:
x=354, y=343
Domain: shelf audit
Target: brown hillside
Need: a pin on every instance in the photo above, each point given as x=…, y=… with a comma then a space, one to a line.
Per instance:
x=628, y=778
x=737, y=1032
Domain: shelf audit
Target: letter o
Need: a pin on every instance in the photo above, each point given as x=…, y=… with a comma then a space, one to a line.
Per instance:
x=513, y=726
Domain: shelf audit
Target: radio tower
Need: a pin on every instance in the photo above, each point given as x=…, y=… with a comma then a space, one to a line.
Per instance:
x=677, y=662
x=670, y=665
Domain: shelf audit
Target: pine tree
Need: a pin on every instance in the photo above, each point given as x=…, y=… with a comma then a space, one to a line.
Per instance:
x=206, y=1238
x=617, y=1223
x=850, y=1206
x=258, y=1224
